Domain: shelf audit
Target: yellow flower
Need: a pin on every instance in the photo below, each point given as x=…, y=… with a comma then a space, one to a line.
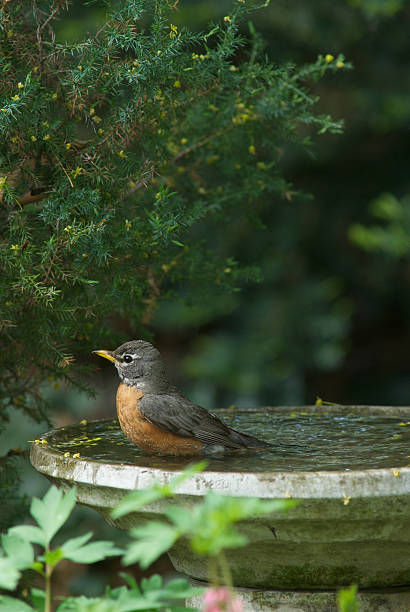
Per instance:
x=20, y=85
x=340, y=64
x=346, y=500
x=97, y=119
x=184, y=141
x=67, y=454
x=227, y=19
x=33, y=138
x=68, y=146
x=100, y=131
x=15, y=98
x=14, y=139
x=76, y=456
x=54, y=96
x=92, y=111
x=252, y=150
x=173, y=30
x=3, y=110
x=122, y=154
x=233, y=68
x=329, y=58
x=35, y=69
x=68, y=228
x=76, y=172
x=177, y=84
x=127, y=224
x=45, y=123
x=79, y=67
x=47, y=137
x=14, y=247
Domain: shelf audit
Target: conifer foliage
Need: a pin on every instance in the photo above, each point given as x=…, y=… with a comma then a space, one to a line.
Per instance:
x=113, y=149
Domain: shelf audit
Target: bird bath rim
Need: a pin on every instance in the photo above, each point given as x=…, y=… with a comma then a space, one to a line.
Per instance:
x=296, y=484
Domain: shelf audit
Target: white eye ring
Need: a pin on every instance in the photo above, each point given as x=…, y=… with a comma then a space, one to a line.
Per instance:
x=130, y=358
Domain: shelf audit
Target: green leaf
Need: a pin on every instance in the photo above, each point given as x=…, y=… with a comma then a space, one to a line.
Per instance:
x=38, y=598
x=29, y=533
x=9, y=604
x=91, y=553
x=181, y=588
x=74, y=544
x=53, y=557
x=9, y=574
x=181, y=517
x=212, y=544
x=19, y=550
x=130, y=580
x=346, y=599
x=137, y=499
x=86, y=604
x=152, y=583
x=154, y=539
x=53, y=510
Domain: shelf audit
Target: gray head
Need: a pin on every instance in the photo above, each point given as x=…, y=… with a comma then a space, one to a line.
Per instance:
x=139, y=364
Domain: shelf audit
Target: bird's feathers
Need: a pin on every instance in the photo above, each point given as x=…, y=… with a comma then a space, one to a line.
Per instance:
x=176, y=414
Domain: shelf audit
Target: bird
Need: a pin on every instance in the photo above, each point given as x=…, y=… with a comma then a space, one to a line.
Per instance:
x=157, y=418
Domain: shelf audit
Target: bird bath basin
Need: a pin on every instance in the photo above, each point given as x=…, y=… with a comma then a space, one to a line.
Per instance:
x=349, y=465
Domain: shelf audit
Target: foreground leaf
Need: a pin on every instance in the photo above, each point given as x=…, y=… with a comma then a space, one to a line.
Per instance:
x=137, y=499
x=29, y=533
x=53, y=510
x=19, y=551
x=154, y=539
x=9, y=574
x=9, y=604
x=91, y=553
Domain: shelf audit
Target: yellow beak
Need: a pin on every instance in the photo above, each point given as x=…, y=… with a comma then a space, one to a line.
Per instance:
x=106, y=354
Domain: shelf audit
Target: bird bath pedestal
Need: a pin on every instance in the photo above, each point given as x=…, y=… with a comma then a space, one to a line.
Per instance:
x=351, y=527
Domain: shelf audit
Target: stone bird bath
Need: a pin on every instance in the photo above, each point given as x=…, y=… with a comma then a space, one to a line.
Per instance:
x=352, y=525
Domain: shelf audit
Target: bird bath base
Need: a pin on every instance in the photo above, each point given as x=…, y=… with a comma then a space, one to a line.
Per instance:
x=257, y=600
x=353, y=526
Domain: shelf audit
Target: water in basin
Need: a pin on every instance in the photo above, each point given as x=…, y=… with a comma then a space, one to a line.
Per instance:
x=302, y=441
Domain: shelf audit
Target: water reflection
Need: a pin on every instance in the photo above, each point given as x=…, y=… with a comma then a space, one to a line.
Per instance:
x=302, y=441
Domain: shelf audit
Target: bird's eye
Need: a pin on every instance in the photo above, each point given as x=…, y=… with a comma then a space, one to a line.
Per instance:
x=127, y=358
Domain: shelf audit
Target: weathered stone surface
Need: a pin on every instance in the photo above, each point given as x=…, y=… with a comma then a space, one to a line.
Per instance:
x=351, y=527
x=309, y=601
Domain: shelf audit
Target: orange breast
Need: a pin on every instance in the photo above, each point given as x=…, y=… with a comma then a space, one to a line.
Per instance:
x=144, y=434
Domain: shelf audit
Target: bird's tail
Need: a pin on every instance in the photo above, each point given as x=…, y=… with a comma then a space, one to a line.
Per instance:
x=248, y=441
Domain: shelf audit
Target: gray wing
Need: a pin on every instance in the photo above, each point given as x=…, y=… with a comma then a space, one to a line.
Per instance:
x=175, y=414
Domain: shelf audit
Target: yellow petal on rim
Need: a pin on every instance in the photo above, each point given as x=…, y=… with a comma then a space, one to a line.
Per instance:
x=106, y=354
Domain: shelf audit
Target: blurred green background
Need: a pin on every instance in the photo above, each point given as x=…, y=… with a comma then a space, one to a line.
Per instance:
x=331, y=316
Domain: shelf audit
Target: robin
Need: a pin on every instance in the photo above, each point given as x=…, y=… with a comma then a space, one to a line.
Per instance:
x=156, y=417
